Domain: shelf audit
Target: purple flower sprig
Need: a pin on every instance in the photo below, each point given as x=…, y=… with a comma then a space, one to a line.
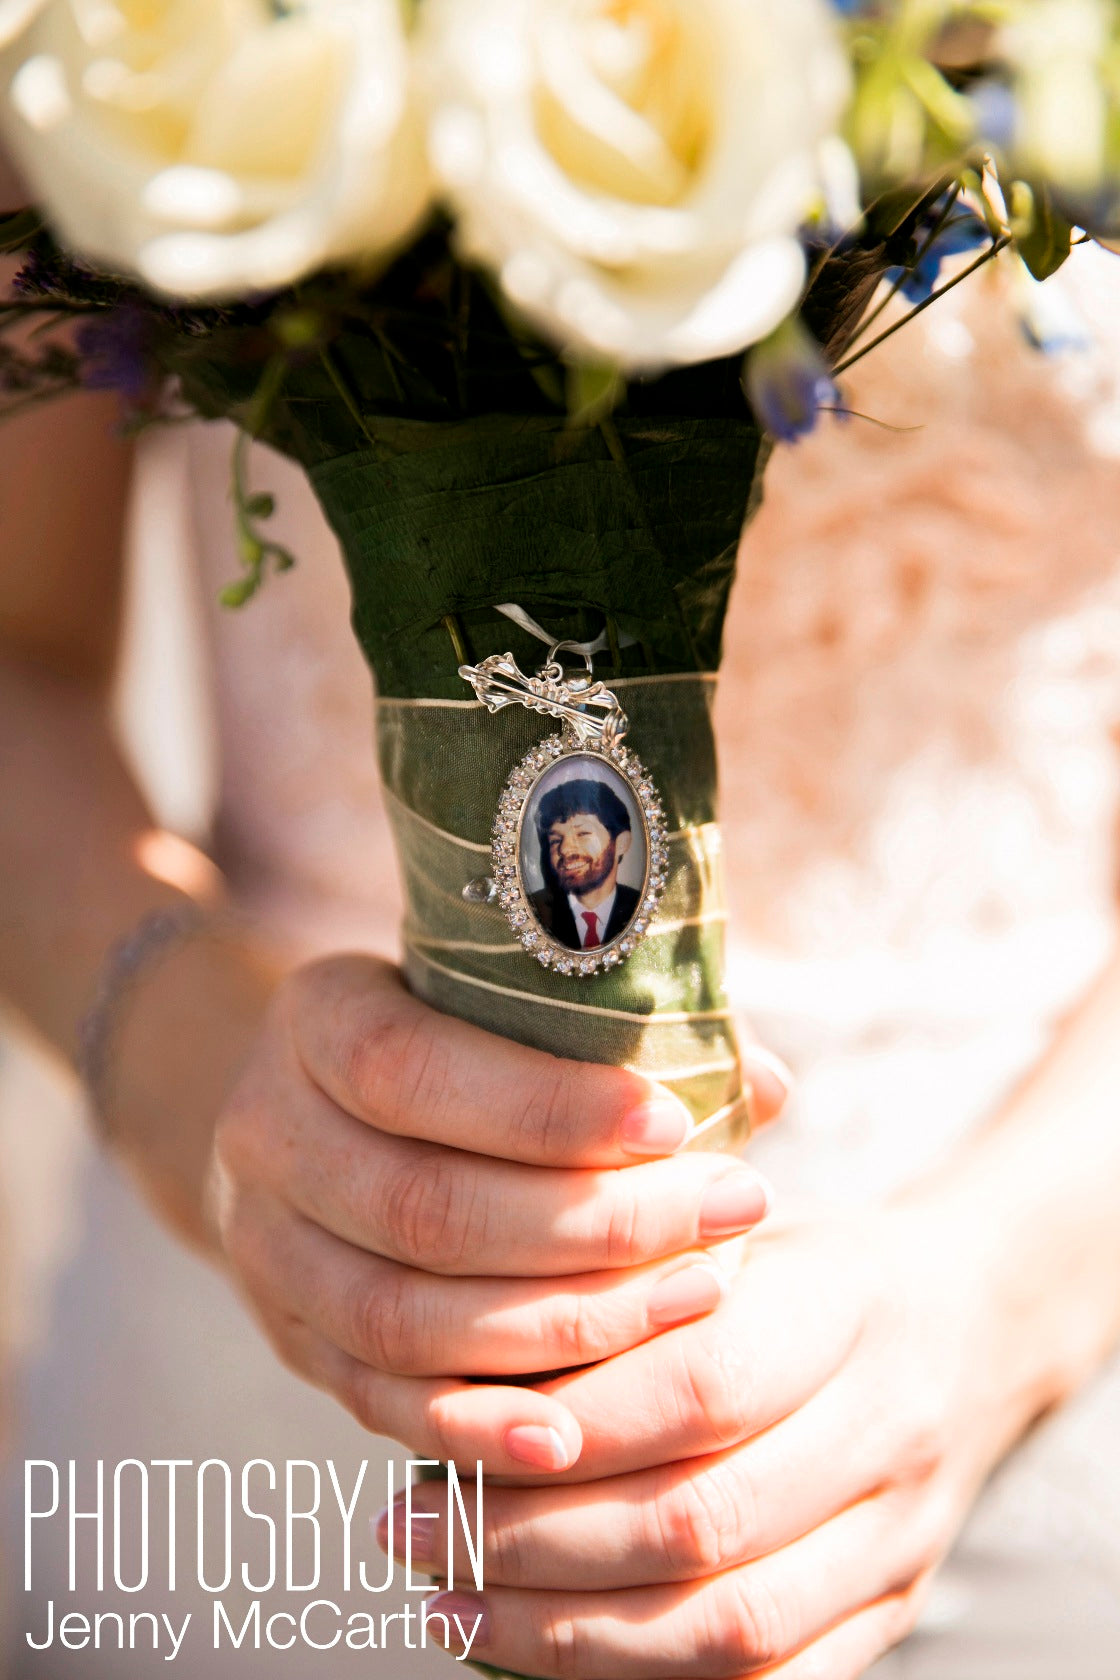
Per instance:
x=49, y=275
x=787, y=382
x=123, y=339
x=117, y=352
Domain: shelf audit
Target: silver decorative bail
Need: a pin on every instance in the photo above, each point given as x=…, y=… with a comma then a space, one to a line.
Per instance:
x=589, y=710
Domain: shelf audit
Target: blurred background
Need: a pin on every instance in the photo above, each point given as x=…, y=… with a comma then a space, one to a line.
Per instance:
x=919, y=721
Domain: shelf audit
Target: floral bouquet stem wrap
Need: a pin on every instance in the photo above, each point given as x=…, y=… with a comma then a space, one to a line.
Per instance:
x=456, y=484
x=633, y=526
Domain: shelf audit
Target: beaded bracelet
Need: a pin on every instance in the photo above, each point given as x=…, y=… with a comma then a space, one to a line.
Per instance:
x=154, y=937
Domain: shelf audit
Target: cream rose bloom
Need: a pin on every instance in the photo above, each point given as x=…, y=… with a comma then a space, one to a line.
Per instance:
x=16, y=15
x=212, y=148
x=635, y=171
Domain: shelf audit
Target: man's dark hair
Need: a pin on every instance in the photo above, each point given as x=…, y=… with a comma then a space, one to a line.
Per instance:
x=571, y=799
x=582, y=798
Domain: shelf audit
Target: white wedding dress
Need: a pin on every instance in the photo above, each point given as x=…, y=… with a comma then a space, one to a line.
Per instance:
x=918, y=724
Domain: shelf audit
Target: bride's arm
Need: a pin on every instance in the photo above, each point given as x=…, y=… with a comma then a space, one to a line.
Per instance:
x=1036, y=1197
x=72, y=821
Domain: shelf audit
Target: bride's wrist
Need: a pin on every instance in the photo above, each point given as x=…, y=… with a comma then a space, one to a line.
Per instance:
x=175, y=1023
x=1006, y=1237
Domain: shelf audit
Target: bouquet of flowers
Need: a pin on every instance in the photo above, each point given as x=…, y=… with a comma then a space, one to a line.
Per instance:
x=529, y=287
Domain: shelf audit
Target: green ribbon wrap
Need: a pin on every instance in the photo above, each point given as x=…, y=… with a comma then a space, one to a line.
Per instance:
x=638, y=529
x=467, y=517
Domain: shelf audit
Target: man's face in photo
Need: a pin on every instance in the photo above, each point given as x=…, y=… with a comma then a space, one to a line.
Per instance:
x=583, y=853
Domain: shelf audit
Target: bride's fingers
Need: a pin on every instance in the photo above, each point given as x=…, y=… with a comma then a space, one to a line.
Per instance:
x=704, y=1387
x=455, y=1213
x=757, y=1617
x=847, y=1651
x=678, y=1522
x=401, y=1067
x=510, y=1431
x=767, y=1078
x=413, y=1323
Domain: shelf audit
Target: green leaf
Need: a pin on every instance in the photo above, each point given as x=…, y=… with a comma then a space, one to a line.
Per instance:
x=237, y=594
x=1046, y=245
x=250, y=550
x=529, y=509
x=262, y=505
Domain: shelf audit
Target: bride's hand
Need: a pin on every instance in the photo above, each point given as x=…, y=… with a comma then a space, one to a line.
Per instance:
x=767, y=1489
x=409, y=1201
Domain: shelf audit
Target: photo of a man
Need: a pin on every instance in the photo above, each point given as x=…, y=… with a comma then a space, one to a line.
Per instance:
x=585, y=831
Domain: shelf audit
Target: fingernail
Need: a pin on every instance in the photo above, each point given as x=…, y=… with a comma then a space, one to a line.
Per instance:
x=468, y=1619
x=423, y=1535
x=685, y=1295
x=658, y=1127
x=543, y=1448
x=775, y=1074
x=732, y=1204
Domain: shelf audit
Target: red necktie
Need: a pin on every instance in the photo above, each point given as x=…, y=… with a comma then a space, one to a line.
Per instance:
x=592, y=921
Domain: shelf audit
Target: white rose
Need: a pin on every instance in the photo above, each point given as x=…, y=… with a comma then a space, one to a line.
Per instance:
x=213, y=148
x=635, y=171
x=16, y=15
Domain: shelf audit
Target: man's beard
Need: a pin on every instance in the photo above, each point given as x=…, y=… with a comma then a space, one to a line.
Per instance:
x=583, y=874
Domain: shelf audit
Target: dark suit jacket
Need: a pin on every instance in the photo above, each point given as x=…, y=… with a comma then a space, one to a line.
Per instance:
x=554, y=913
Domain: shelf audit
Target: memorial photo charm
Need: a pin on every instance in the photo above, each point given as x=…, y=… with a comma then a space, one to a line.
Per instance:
x=580, y=848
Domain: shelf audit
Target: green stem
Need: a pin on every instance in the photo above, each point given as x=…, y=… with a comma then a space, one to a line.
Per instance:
x=909, y=268
x=254, y=549
x=993, y=251
x=341, y=385
x=614, y=445
x=266, y=393
x=391, y=359
x=454, y=629
x=930, y=196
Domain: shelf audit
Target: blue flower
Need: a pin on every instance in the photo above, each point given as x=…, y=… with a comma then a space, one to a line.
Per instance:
x=787, y=382
x=963, y=231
